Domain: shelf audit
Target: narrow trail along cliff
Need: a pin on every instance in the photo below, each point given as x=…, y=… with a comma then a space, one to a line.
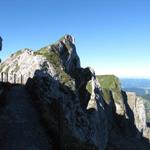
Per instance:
x=20, y=128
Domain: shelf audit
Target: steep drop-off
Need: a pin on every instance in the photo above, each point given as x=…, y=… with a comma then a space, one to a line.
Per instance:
x=80, y=111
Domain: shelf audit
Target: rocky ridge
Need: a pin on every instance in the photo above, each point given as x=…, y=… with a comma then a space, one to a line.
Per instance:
x=79, y=109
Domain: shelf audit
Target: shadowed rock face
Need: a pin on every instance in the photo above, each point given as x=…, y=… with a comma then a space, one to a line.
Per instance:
x=18, y=130
x=79, y=109
x=130, y=126
x=137, y=106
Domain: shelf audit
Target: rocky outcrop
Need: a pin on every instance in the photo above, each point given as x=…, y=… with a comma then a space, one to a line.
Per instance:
x=137, y=106
x=79, y=125
x=79, y=109
x=127, y=104
x=24, y=63
x=67, y=50
x=129, y=119
x=57, y=59
x=111, y=88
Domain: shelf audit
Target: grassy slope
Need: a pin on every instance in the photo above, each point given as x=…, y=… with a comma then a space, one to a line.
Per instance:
x=110, y=83
x=89, y=87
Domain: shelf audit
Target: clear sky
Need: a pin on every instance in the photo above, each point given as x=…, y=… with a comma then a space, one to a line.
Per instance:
x=112, y=36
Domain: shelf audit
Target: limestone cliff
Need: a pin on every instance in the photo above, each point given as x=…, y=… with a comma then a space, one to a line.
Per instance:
x=80, y=111
x=129, y=121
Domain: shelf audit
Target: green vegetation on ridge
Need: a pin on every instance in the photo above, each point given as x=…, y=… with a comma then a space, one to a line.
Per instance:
x=53, y=57
x=110, y=83
x=89, y=87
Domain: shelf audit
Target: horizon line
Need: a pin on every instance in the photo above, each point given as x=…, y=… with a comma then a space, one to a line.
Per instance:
x=127, y=76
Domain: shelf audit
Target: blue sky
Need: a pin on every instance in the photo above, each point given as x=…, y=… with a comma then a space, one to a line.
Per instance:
x=112, y=36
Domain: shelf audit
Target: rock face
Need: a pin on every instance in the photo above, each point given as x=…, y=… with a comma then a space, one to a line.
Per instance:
x=136, y=104
x=82, y=128
x=24, y=63
x=110, y=83
x=126, y=103
x=81, y=111
x=129, y=121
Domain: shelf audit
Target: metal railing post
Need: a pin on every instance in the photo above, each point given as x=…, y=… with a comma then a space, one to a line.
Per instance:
x=2, y=76
x=14, y=78
x=7, y=77
x=21, y=79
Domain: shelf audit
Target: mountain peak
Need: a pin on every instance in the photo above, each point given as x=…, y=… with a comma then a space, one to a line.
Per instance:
x=93, y=110
x=67, y=37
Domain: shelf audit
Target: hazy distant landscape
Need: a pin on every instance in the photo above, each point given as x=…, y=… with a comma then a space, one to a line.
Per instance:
x=142, y=88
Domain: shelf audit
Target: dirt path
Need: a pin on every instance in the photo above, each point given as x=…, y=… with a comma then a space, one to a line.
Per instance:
x=20, y=128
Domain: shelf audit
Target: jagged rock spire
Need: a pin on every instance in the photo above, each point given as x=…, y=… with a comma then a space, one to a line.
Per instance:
x=92, y=102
